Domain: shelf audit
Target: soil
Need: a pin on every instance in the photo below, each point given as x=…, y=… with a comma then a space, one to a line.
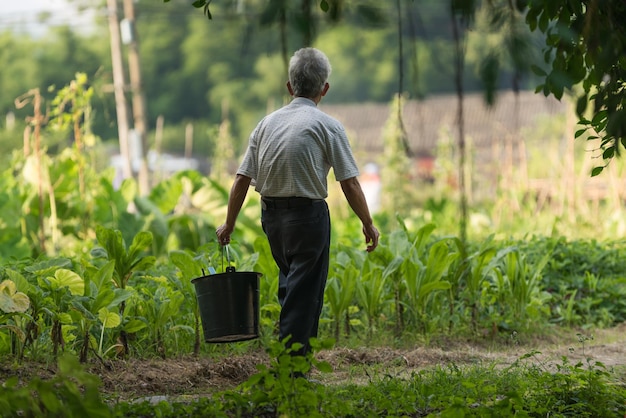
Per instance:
x=125, y=380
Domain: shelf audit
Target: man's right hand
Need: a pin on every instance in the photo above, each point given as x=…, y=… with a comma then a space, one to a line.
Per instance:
x=223, y=233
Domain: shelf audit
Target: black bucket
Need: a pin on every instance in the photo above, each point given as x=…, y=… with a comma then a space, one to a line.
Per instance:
x=229, y=305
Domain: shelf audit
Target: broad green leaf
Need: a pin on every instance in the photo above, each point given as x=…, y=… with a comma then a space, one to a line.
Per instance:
x=20, y=281
x=69, y=279
x=109, y=319
x=166, y=194
x=11, y=300
x=104, y=274
x=141, y=242
x=103, y=299
x=187, y=265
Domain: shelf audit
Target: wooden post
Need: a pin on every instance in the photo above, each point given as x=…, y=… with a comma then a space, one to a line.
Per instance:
x=118, y=86
x=138, y=100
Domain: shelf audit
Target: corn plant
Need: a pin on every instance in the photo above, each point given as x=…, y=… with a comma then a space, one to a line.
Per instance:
x=372, y=294
x=518, y=289
x=406, y=248
x=340, y=292
x=424, y=278
x=480, y=268
x=391, y=256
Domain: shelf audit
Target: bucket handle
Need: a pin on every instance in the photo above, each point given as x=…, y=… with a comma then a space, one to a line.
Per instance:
x=229, y=268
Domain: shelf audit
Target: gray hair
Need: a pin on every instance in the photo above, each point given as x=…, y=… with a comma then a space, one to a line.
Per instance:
x=309, y=70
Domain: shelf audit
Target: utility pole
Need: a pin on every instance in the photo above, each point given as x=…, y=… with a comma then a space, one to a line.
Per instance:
x=138, y=100
x=118, y=88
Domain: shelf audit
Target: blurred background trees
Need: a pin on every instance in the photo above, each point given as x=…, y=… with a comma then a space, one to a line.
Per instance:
x=231, y=67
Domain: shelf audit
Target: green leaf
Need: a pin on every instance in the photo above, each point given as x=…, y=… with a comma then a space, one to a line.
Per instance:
x=103, y=300
x=20, y=281
x=141, y=242
x=324, y=6
x=65, y=318
x=596, y=171
x=581, y=105
x=134, y=325
x=67, y=278
x=109, y=319
x=538, y=70
x=166, y=194
x=544, y=21
x=11, y=300
x=104, y=275
x=599, y=118
x=49, y=399
x=324, y=366
x=188, y=267
x=580, y=132
x=48, y=267
x=608, y=153
x=198, y=3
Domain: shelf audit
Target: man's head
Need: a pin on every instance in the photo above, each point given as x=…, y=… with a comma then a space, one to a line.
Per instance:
x=309, y=70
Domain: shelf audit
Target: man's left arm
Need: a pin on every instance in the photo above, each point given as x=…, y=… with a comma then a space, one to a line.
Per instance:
x=356, y=199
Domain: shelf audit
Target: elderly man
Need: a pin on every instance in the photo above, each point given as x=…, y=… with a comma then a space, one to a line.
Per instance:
x=288, y=159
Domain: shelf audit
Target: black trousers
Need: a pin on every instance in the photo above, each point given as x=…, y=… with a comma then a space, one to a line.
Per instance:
x=299, y=237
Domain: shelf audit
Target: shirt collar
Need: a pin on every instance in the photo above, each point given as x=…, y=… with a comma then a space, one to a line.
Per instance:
x=303, y=101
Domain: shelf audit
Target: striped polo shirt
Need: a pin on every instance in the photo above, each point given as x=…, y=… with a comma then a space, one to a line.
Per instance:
x=291, y=151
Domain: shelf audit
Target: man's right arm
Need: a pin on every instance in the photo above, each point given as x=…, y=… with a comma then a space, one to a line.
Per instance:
x=356, y=199
x=238, y=193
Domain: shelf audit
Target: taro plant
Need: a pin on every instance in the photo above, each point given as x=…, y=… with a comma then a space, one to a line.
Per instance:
x=13, y=304
x=33, y=321
x=61, y=288
x=129, y=261
x=159, y=304
x=96, y=308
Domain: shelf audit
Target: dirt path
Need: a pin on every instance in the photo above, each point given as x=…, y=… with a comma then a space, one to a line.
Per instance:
x=190, y=376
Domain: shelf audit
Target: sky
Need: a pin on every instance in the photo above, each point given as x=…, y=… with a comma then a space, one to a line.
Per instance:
x=24, y=16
